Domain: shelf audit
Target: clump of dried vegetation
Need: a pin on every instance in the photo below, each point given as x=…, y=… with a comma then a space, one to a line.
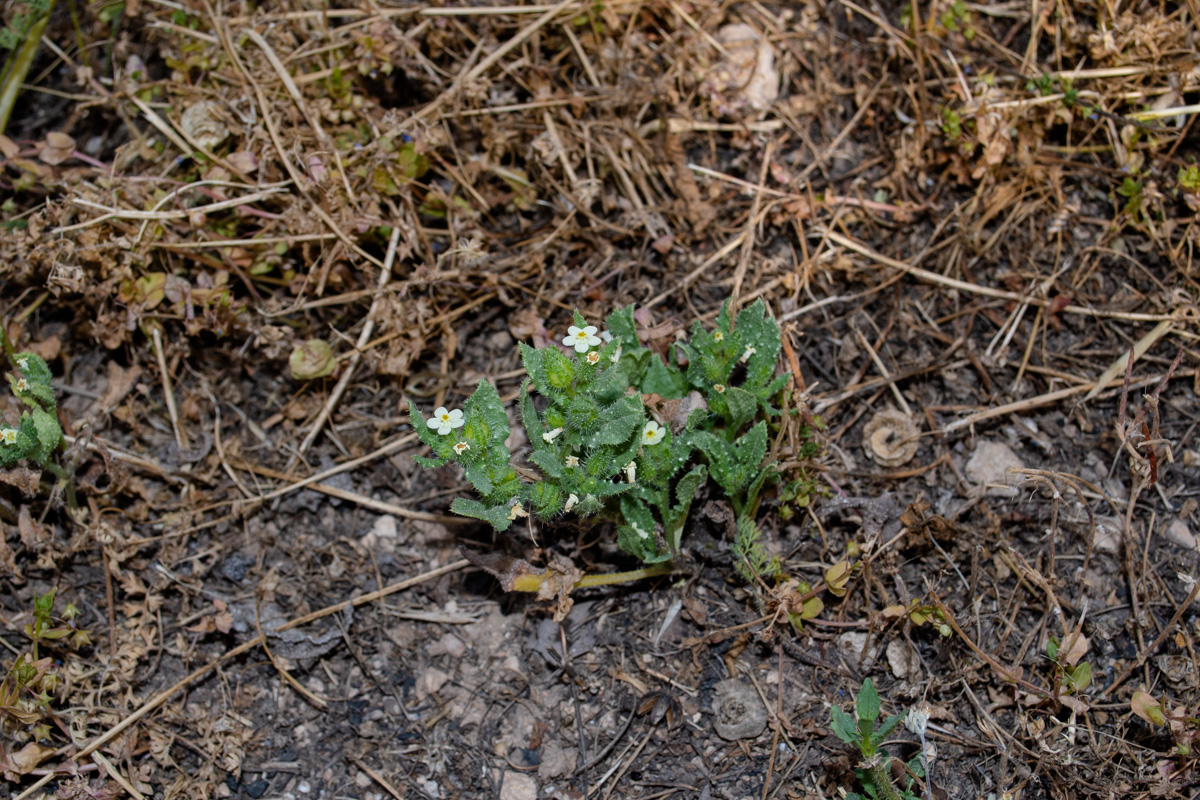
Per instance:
x=245, y=238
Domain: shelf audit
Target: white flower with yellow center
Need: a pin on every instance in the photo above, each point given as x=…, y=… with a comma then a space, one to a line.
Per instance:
x=581, y=338
x=22, y=385
x=746, y=355
x=9, y=435
x=718, y=337
x=461, y=448
x=593, y=357
x=517, y=510
x=572, y=462
x=720, y=387
x=444, y=421
x=23, y=363
x=630, y=472
x=572, y=499
x=652, y=433
x=549, y=436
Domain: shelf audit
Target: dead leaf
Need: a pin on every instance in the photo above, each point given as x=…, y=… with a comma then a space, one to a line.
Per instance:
x=24, y=760
x=837, y=576
x=526, y=326
x=24, y=478
x=674, y=412
x=59, y=148
x=1143, y=705
x=746, y=78
x=890, y=438
x=202, y=125
x=1074, y=647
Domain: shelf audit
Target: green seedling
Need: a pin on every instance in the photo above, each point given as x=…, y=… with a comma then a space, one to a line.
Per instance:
x=921, y=614
x=1189, y=179
x=1070, y=673
x=863, y=732
x=957, y=18
x=1182, y=722
x=28, y=686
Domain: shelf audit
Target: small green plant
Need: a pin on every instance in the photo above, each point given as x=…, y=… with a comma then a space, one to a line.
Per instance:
x=595, y=449
x=28, y=686
x=875, y=772
x=1131, y=190
x=1189, y=179
x=1182, y=722
x=957, y=18
x=951, y=124
x=37, y=435
x=920, y=614
x=1070, y=672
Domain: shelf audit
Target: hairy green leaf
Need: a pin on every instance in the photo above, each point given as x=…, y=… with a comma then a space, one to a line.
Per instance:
x=868, y=705
x=742, y=407
x=497, y=515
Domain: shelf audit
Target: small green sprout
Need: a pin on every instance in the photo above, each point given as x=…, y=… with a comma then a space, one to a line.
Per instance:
x=875, y=774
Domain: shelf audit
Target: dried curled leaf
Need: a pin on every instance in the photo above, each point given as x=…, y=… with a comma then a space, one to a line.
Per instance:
x=890, y=438
x=202, y=125
x=24, y=760
x=59, y=148
x=837, y=576
x=1143, y=705
x=313, y=359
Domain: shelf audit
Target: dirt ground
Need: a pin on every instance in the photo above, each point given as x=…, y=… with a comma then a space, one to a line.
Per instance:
x=965, y=217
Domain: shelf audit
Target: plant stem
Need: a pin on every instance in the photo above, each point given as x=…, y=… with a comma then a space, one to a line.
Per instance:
x=18, y=66
x=607, y=579
x=882, y=777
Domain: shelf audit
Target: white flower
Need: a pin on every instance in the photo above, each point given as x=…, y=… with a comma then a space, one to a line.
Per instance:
x=652, y=434
x=718, y=337
x=606, y=336
x=593, y=357
x=444, y=421
x=22, y=385
x=746, y=355
x=616, y=356
x=639, y=531
x=548, y=436
x=720, y=387
x=572, y=462
x=581, y=338
x=517, y=510
x=630, y=472
x=572, y=499
x=9, y=435
x=461, y=448
x=23, y=363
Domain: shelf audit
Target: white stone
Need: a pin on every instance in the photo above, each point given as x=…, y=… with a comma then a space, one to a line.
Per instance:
x=1179, y=533
x=991, y=464
x=518, y=786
